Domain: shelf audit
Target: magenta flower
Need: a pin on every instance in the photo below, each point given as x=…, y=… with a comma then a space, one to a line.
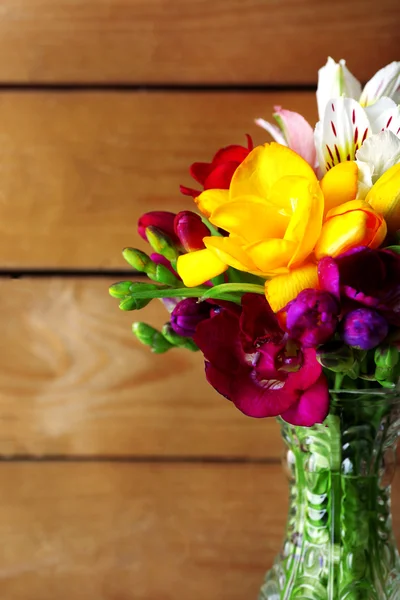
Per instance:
x=365, y=277
x=187, y=314
x=312, y=317
x=253, y=363
x=161, y=219
x=364, y=328
x=191, y=230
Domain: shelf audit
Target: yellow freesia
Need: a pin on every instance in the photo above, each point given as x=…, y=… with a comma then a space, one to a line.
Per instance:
x=349, y=225
x=384, y=197
x=273, y=213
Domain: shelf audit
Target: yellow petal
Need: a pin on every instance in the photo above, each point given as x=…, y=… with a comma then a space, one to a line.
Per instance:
x=209, y=200
x=345, y=231
x=306, y=222
x=198, y=267
x=348, y=207
x=282, y=289
x=230, y=253
x=340, y=184
x=251, y=218
x=384, y=197
x=271, y=254
x=264, y=166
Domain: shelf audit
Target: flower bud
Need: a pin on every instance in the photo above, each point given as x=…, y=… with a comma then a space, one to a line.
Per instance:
x=162, y=243
x=188, y=314
x=120, y=289
x=336, y=356
x=364, y=328
x=177, y=340
x=190, y=230
x=386, y=357
x=149, y=336
x=129, y=301
x=312, y=317
x=139, y=261
x=161, y=219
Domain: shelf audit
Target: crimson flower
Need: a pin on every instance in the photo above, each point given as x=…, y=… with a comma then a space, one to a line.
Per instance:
x=219, y=172
x=365, y=277
x=251, y=361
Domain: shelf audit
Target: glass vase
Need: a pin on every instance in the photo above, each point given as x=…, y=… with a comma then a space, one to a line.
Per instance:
x=339, y=541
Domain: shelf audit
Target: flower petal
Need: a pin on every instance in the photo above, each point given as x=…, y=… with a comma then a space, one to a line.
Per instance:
x=280, y=290
x=380, y=152
x=298, y=133
x=273, y=131
x=198, y=267
x=312, y=406
x=251, y=218
x=229, y=252
x=345, y=126
x=263, y=167
x=384, y=114
x=335, y=80
x=386, y=82
x=272, y=254
x=384, y=197
x=340, y=184
x=209, y=200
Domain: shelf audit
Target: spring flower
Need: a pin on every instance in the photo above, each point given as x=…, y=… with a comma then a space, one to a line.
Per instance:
x=350, y=225
x=292, y=131
x=348, y=116
x=187, y=314
x=273, y=214
x=218, y=173
x=162, y=220
x=366, y=277
x=191, y=230
x=256, y=373
x=364, y=328
x=312, y=317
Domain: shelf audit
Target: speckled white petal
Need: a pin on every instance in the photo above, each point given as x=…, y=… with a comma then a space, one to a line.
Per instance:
x=385, y=82
x=335, y=80
x=384, y=114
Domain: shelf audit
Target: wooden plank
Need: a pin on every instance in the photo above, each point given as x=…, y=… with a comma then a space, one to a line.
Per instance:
x=78, y=169
x=74, y=381
x=110, y=531
x=142, y=531
x=151, y=41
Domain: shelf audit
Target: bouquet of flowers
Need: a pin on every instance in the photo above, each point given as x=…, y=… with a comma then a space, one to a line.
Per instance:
x=287, y=276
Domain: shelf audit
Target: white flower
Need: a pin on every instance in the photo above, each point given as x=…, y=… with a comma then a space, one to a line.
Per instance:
x=335, y=80
x=379, y=153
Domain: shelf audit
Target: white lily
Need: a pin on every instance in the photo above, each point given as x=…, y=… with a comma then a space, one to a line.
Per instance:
x=346, y=125
x=379, y=153
x=334, y=81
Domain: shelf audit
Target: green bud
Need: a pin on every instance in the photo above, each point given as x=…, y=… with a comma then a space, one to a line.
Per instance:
x=120, y=289
x=139, y=260
x=386, y=357
x=149, y=336
x=164, y=275
x=337, y=357
x=178, y=340
x=161, y=243
x=132, y=303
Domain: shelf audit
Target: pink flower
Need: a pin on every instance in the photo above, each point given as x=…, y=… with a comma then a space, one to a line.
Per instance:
x=161, y=219
x=191, y=230
x=252, y=362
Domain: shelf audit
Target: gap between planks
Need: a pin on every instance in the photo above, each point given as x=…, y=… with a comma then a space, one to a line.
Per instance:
x=224, y=460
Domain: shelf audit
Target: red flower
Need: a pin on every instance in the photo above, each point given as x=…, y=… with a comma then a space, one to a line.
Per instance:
x=253, y=363
x=219, y=172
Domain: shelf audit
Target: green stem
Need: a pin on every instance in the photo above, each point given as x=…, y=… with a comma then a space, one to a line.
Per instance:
x=195, y=292
x=227, y=288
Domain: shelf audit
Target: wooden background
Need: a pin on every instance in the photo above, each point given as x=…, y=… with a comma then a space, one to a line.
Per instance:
x=123, y=475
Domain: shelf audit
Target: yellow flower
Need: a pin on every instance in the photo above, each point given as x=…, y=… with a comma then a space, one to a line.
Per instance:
x=273, y=214
x=384, y=197
x=349, y=225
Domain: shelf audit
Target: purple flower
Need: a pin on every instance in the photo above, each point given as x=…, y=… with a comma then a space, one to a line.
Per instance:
x=364, y=328
x=250, y=361
x=187, y=314
x=312, y=317
x=191, y=230
x=365, y=277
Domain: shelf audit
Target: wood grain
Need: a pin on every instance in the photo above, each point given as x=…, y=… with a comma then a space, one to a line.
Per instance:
x=201, y=41
x=74, y=381
x=124, y=531
x=78, y=169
